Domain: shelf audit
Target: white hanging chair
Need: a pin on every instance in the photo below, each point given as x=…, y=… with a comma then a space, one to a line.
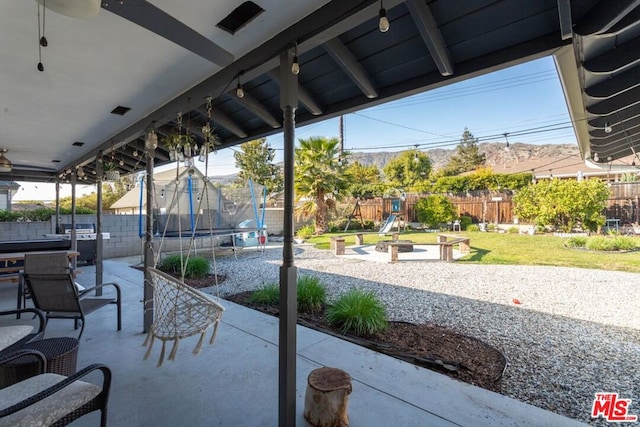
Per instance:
x=180, y=311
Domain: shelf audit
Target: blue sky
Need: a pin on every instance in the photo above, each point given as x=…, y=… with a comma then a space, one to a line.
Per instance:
x=526, y=102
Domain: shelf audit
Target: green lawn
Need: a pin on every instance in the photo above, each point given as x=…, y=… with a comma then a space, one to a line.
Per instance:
x=495, y=248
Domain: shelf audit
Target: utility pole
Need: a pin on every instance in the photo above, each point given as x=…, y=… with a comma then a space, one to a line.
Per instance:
x=341, y=130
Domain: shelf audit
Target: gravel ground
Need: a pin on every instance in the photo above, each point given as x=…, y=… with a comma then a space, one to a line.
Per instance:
x=575, y=332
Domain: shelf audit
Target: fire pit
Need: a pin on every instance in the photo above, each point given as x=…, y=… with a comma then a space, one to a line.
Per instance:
x=403, y=245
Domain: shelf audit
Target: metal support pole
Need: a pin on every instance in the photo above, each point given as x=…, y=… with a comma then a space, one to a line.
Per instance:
x=99, y=240
x=148, y=244
x=57, y=224
x=288, y=272
x=74, y=240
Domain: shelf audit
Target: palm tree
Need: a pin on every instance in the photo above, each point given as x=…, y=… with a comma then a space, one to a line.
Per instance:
x=320, y=180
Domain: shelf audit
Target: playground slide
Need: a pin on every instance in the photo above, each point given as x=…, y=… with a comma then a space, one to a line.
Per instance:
x=386, y=227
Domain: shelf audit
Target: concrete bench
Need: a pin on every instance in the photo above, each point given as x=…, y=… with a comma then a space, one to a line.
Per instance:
x=446, y=242
x=337, y=243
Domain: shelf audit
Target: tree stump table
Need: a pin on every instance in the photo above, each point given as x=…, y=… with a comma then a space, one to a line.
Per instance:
x=327, y=397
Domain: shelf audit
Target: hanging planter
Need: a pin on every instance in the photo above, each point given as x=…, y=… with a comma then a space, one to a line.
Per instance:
x=180, y=146
x=111, y=172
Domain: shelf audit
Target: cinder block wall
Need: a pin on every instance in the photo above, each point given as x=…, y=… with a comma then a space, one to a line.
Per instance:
x=124, y=233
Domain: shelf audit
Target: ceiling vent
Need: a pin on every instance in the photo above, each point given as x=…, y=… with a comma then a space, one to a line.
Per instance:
x=78, y=144
x=240, y=17
x=120, y=110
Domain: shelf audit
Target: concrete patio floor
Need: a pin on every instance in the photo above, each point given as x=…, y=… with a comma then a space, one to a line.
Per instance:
x=235, y=381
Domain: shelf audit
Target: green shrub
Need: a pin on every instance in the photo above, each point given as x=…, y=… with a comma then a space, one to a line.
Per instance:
x=624, y=243
x=473, y=228
x=465, y=222
x=267, y=294
x=513, y=230
x=311, y=294
x=492, y=227
x=306, y=231
x=576, y=242
x=171, y=264
x=358, y=312
x=599, y=243
x=197, y=266
x=434, y=210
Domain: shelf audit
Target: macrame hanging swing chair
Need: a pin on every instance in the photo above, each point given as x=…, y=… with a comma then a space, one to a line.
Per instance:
x=181, y=311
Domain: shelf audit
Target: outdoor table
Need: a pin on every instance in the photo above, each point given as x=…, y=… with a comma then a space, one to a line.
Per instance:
x=61, y=355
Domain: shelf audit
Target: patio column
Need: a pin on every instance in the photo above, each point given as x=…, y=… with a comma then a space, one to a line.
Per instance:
x=148, y=243
x=99, y=241
x=74, y=241
x=57, y=224
x=288, y=272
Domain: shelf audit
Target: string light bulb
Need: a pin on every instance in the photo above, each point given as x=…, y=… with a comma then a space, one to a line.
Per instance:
x=607, y=128
x=596, y=158
x=383, y=23
x=507, y=141
x=295, y=65
x=239, y=90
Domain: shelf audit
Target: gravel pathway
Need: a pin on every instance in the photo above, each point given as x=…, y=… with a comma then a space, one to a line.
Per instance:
x=575, y=331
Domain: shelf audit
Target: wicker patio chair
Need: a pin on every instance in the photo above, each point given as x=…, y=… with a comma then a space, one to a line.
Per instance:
x=51, y=399
x=18, y=333
x=57, y=295
x=52, y=262
x=180, y=311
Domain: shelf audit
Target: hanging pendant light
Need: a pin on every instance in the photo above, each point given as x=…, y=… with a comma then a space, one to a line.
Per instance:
x=295, y=65
x=383, y=23
x=239, y=90
x=5, y=164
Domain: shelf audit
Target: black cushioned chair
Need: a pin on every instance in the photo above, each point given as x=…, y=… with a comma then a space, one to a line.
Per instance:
x=57, y=295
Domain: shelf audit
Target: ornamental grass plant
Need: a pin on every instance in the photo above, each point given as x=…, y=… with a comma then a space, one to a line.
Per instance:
x=358, y=312
x=311, y=294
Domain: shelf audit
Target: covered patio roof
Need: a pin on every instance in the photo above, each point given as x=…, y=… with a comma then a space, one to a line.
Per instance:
x=137, y=64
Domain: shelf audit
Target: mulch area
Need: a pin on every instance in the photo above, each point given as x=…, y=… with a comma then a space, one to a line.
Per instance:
x=430, y=346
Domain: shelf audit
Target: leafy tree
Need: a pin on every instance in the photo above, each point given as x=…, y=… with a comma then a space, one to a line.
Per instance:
x=408, y=170
x=467, y=157
x=255, y=163
x=434, y=210
x=481, y=179
x=563, y=203
x=111, y=192
x=320, y=179
x=364, y=180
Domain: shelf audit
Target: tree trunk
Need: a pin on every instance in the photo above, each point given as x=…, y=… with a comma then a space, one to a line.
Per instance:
x=321, y=215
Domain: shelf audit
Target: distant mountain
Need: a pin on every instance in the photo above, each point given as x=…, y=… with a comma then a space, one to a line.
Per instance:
x=496, y=154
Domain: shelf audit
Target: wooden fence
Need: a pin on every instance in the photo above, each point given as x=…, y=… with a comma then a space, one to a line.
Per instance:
x=496, y=207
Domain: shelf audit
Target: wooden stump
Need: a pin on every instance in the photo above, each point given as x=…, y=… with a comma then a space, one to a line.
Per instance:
x=327, y=397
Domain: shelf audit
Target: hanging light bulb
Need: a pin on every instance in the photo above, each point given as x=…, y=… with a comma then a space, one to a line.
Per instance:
x=507, y=141
x=383, y=24
x=596, y=158
x=239, y=90
x=151, y=142
x=607, y=127
x=295, y=65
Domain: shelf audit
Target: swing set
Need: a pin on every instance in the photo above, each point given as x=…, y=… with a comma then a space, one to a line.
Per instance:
x=179, y=310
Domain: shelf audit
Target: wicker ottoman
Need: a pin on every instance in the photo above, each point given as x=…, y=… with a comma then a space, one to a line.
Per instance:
x=61, y=355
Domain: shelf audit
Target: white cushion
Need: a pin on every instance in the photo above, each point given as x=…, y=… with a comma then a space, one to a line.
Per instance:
x=12, y=334
x=50, y=409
